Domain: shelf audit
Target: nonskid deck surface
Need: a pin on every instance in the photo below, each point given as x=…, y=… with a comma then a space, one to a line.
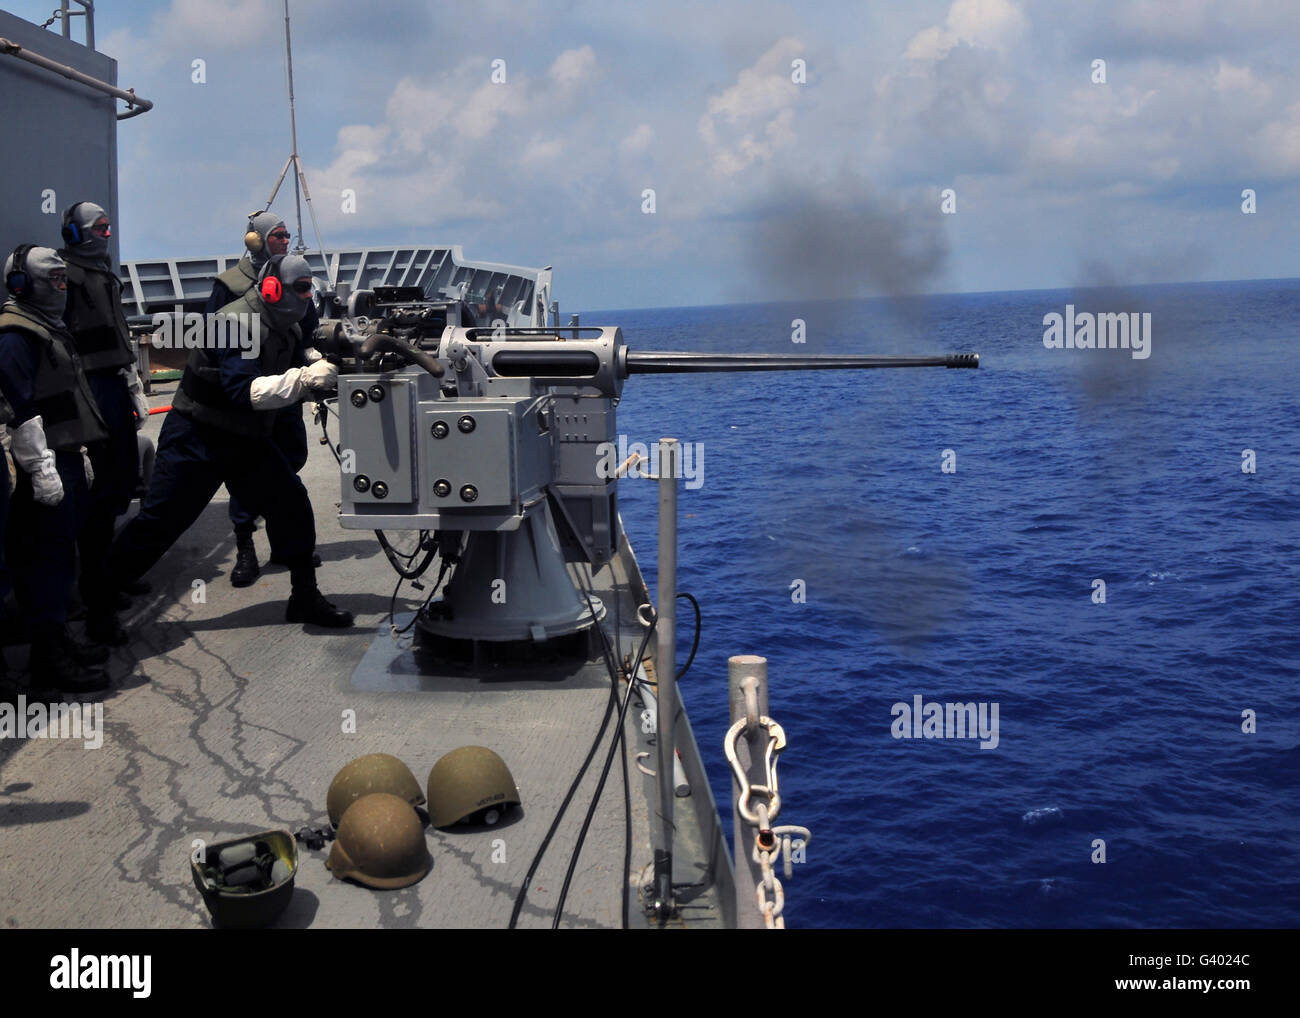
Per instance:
x=225, y=720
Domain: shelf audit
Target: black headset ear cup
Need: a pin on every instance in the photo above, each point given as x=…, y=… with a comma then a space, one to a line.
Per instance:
x=17, y=282
x=272, y=291
x=71, y=231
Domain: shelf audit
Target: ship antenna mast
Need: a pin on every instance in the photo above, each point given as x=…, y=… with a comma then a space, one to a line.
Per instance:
x=300, y=190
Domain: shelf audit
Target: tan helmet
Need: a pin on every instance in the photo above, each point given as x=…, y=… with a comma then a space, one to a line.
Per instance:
x=471, y=783
x=376, y=772
x=380, y=843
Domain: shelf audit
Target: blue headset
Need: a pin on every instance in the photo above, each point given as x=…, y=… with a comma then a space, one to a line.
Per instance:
x=71, y=231
x=17, y=280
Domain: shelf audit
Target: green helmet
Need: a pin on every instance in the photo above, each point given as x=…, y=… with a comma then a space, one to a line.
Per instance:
x=471, y=783
x=377, y=772
x=380, y=843
x=249, y=881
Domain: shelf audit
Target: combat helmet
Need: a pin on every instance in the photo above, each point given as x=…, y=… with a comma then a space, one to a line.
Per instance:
x=380, y=843
x=247, y=882
x=376, y=772
x=470, y=783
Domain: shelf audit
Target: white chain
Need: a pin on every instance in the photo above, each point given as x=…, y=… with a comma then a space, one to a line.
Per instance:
x=762, y=814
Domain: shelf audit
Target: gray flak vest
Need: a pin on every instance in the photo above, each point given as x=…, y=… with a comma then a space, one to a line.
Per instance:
x=239, y=278
x=201, y=396
x=62, y=395
x=94, y=315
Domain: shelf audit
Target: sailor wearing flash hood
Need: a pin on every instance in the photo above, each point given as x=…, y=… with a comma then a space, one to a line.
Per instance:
x=103, y=340
x=266, y=237
x=54, y=417
x=217, y=433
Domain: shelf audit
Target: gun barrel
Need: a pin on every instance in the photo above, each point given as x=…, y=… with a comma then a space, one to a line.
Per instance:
x=662, y=362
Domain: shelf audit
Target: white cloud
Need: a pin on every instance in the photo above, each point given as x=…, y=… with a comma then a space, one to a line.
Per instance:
x=931, y=43
x=573, y=66
x=415, y=111
x=489, y=104
x=993, y=24
x=1277, y=146
x=638, y=141
x=990, y=24
x=1241, y=80
x=541, y=150
x=187, y=30
x=762, y=89
x=749, y=121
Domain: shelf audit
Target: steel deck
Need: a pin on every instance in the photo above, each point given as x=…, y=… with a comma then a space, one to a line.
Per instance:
x=225, y=720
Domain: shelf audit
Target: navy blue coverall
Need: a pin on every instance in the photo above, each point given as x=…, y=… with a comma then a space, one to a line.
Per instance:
x=40, y=540
x=195, y=459
x=290, y=432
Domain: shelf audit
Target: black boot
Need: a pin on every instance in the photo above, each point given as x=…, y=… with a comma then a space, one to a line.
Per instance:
x=246, y=568
x=308, y=604
x=53, y=667
x=13, y=625
x=277, y=559
x=136, y=588
x=102, y=627
x=83, y=653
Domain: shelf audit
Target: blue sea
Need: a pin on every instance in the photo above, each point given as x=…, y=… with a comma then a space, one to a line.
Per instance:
x=1121, y=724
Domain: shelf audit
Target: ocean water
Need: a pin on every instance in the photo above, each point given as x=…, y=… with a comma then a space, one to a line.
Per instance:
x=1119, y=722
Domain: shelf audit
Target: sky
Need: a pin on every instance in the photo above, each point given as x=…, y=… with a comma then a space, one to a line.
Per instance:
x=687, y=153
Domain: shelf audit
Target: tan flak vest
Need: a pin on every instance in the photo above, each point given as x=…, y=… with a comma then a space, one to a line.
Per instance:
x=239, y=278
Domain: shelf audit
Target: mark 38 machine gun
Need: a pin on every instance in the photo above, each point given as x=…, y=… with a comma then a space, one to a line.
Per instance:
x=494, y=443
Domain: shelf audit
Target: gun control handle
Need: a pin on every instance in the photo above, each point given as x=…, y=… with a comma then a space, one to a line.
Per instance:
x=374, y=344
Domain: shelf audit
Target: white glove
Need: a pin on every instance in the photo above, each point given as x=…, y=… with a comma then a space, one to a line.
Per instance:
x=312, y=354
x=87, y=468
x=321, y=376
x=136, y=389
x=33, y=455
x=271, y=392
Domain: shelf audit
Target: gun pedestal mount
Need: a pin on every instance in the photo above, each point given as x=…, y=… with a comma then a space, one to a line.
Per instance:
x=509, y=437
x=511, y=597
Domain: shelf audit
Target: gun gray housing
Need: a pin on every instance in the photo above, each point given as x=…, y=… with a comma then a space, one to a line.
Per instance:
x=518, y=417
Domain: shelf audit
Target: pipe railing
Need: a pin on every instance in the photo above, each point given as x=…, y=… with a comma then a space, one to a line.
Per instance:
x=136, y=104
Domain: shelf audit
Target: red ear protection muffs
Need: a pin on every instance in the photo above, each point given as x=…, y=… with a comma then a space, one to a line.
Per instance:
x=272, y=291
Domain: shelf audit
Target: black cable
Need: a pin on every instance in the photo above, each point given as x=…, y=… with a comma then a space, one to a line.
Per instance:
x=392, y=601
x=626, y=876
x=627, y=785
x=620, y=741
x=324, y=412
x=393, y=555
x=392, y=604
x=627, y=826
x=600, y=786
x=573, y=788
x=695, y=643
